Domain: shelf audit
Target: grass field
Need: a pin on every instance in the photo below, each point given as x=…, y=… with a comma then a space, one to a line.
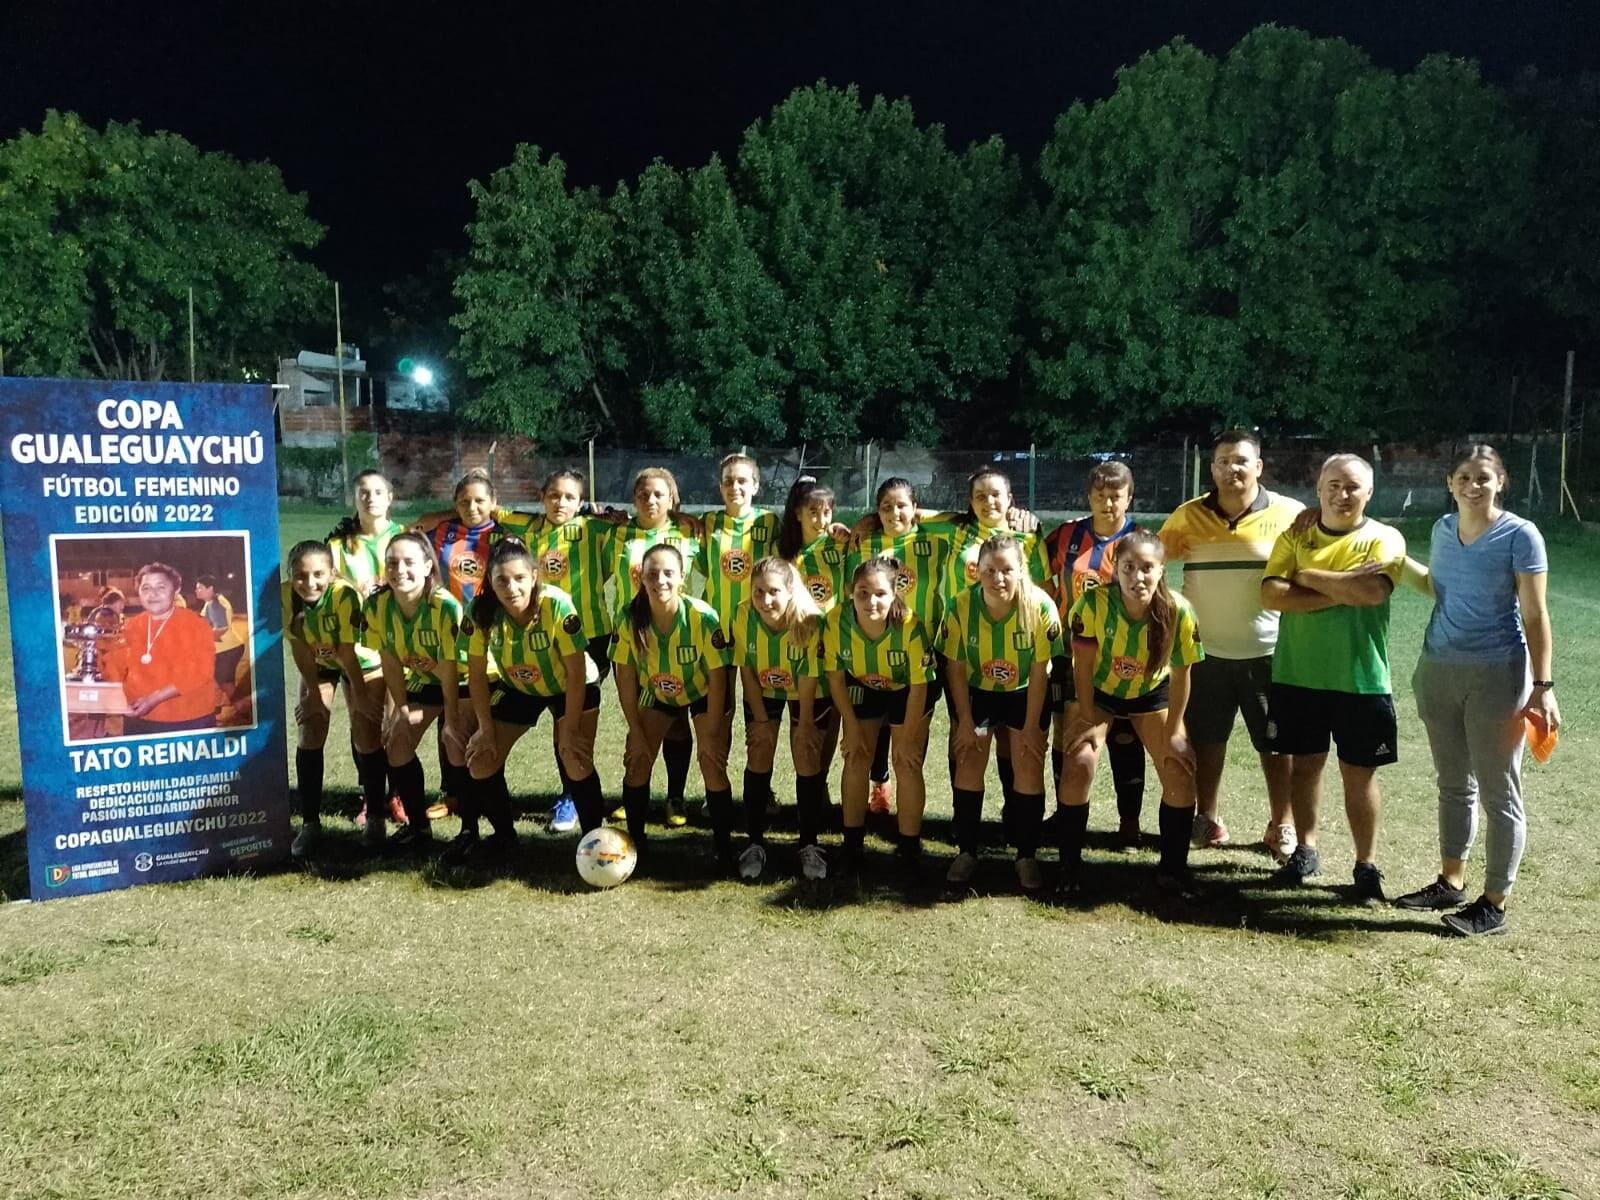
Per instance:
x=369, y=1028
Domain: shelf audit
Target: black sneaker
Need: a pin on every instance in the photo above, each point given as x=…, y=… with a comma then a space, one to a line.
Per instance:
x=1367, y=884
x=461, y=848
x=1477, y=919
x=1069, y=888
x=1302, y=865
x=415, y=836
x=496, y=848
x=1177, y=885
x=1438, y=896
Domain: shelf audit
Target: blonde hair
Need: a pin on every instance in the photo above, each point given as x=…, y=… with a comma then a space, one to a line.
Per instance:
x=801, y=616
x=1032, y=601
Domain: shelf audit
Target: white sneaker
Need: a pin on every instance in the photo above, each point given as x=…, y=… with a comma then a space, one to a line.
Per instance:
x=1280, y=841
x=753, y=861
x=962, y=867
x=813, y=863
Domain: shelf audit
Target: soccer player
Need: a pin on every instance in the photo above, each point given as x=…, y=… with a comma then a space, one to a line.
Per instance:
x=667, y=659
x=809, y=538
x=777, y=648
x=534, y=636
x=998, y=640
x=165, y=659
x=1487, y=573
x=1133, y=643
x=414, y=624
x=1223, y=539
x=1330, y=670
x=1082, y=555
x=657, y=521
x=322, y=624
x=879, y=668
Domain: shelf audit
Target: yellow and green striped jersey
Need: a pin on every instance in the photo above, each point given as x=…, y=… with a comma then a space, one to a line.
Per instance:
x=961, y=571
x=922, y=554
x=675, y=669
x=421, y=642
x=363, y=566
x=732, y=546
x=780, y=660
x=898, y=658
x=333, y=621
x=532, y=657
x=573, y=557
x=1122, y=645
x=625, y=550
x=1000, y=654
x=821, y=566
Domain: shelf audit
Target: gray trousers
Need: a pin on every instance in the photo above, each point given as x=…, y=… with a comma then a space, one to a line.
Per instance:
x=1475, y=729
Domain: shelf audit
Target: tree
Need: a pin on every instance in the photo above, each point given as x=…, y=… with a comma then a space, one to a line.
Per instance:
x=545, y=312
x=1288, y=235
x=104, y=233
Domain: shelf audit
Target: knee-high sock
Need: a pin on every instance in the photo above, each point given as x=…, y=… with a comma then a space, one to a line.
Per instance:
x=809, y=798
x=636, y=801
x=879, y=771
x=591, y=802
x=1008, y=777
x=308, y=779
x=719, y=803
x=757, y=794
x=1058, y=761
x=567, y=786
x=496, y=800
x=1027, y=816
x=1127, y=770
x=1073, y=827
x=855, y=838
x=677, y=755
x=1176, y=826
x=373, y=771
x=409, y=783
x=967, y=804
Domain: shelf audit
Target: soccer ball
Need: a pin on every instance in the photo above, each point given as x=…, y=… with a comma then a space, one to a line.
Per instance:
x=606, y=857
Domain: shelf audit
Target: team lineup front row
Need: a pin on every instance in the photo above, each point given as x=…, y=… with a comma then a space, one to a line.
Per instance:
x=1045, y=649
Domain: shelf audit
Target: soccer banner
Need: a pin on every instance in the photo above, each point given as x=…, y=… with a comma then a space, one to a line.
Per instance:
x=141, y=543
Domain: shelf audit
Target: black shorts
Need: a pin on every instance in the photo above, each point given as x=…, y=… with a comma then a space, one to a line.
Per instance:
x=821, y=707
x=1219, y=688
x=1004, y=708
x=1061, y=684
x=329, y=675
x=431, y=695
x=227, y=666
x=599, y=652
x=676, y=712
x=871, y=704
x=524, y=708
x=1362, y=726
x=1132, y=706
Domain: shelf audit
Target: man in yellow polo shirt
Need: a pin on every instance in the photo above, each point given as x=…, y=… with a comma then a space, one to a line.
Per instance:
x=1330, y=672
x=1223, y=540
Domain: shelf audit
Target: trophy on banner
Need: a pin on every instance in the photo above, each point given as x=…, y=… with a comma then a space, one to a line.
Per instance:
x=88, y=634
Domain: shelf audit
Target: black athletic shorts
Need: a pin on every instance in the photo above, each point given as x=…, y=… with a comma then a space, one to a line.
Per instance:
x=524, y=708
x=431, y=695
x=599, y=652
x=871, y=704
x=677, y=712
x=1004, y=708
x=227, y=666
x=820, y=708
x=1131, y=706
x=1061, y=684
x=1362, y=726
x=1219, y=688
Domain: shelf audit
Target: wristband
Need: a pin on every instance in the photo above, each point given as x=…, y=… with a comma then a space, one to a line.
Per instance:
x=1544, y=683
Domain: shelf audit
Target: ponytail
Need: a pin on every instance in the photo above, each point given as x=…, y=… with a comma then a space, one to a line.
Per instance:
x=486, y=606
x=1162, y=619
x=791, y=534
x=639, y=606
x=348, y=530
x=300, y=550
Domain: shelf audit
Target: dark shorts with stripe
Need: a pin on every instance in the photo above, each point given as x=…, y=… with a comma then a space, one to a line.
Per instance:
x=431, y=695
x=871, y=704
x=821, y=707
x=524, y=708
x=1132, y=706
x=1362, y=726
x=1004, y=708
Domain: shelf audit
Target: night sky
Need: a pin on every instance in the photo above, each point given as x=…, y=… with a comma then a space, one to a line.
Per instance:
x=381, y=112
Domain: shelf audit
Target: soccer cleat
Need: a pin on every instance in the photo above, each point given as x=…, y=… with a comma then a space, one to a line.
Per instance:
x=1030, y=876
x=1069, y=887
x=306, y=840
x=676, y=819
x=1299, y=867
x=619, y=813
x=564, y=816
x=1128, y=835
x=1478, y=919
x=881, y=799
x=413, y=837
x=1279, y=840
x=496, y=848
x=1178, y=885
x=372, y=833
x=1207, y=833
x=962, y=868
x=1367, y=884
x=813, y=863
x=1438, y=896
x=753, y=861
x=461, y=848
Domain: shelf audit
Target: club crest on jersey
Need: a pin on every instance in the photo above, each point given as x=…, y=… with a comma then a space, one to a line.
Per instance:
x=325, y=655
x=970, y=567
x=1053, y=633
x=415, y=662
x=666, y=686
x=554, y=564
x=878, y=683
x=904, y=580
x=466, y=567
x=538, y=639
x=775, y=679
x=821, y=590
x=1124, y=667
x=1087, y=583
x=1000, y=670
x=736, y=564
x=524, y=673
x=719, y=639
x=686, y=655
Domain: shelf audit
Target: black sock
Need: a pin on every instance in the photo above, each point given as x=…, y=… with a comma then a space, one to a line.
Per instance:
x=568, y=788
x=967, y=805
x=1027, y=817
x=636, y=800
x=1073, y=826
x=809, y=798
x=1058, y=763
x=409, y=783
x=879, y=771
x=719, y=804
x=1008, y=778
x=1176, y=825
x=1126, y=755
x=910, y=845
x=677, y=755
x=497, y=804
x=757, y=793
x=373, y=772
x=308, y=779
x=855, y=841
x=471, y=802
x=591, y=802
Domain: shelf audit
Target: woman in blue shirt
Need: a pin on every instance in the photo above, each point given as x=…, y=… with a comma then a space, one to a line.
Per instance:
x=1486, y=574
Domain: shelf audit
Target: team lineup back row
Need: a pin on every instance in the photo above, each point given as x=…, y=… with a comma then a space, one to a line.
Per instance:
x=480, y=619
